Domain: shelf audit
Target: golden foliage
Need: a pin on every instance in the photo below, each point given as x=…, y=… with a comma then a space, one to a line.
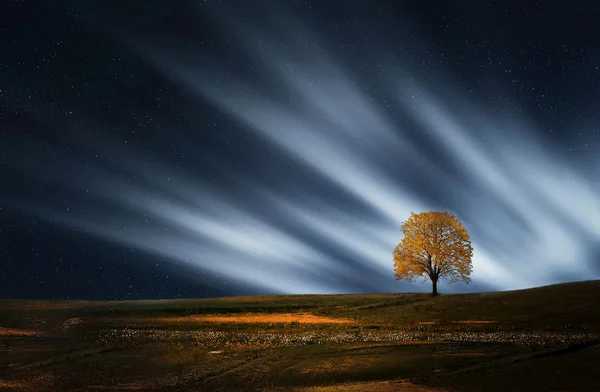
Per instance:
x=435, y=245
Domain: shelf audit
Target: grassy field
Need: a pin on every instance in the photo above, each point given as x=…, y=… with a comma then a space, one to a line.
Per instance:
x=543, y=339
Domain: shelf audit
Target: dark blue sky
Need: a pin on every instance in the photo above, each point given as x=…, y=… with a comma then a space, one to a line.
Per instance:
x=176, y=149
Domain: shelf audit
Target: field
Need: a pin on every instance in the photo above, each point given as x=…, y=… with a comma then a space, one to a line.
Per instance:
x=543, y=339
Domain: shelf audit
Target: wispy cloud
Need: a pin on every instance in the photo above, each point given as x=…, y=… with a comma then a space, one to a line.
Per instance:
x=532, y=217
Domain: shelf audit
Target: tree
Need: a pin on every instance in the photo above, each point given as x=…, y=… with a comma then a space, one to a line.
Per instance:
x=435, y=245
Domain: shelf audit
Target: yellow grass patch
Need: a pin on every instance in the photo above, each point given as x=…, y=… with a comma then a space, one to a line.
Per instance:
x=476, y=322
x=371, y=345
x=122, y=387
x=374, y=386
x=428, y=323
x=280, y=318
x=17, y=332
x=11, y=384
x=466, y=355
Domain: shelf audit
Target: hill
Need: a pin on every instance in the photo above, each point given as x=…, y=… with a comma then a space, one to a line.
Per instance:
x=464, y=342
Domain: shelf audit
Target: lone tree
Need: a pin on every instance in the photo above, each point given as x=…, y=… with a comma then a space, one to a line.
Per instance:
x=435, y=245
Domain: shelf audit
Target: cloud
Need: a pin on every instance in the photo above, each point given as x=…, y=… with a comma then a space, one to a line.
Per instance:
x=527, y=180
x=531, y=216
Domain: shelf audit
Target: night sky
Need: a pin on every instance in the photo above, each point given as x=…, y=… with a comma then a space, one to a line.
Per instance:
x=164, y=149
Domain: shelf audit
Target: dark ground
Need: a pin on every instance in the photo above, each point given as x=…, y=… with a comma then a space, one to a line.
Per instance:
x=544, y=339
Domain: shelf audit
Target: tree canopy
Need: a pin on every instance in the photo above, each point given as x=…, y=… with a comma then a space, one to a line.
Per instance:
x=435, y=245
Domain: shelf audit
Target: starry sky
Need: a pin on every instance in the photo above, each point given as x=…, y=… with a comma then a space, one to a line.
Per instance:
x=164, y=149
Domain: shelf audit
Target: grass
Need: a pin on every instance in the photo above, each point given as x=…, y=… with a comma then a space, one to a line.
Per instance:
x=543, y=339
x=279, y=318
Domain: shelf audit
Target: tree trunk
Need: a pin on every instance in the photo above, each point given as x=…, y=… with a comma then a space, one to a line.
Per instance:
x=434, y=281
